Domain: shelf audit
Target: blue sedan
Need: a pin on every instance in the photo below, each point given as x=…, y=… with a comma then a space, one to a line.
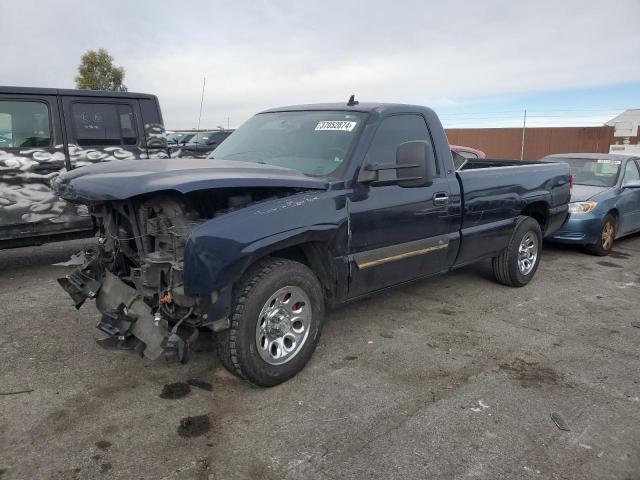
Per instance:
x=605, y=200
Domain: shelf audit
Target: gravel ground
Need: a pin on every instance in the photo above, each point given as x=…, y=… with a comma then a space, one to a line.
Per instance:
x=454, y=377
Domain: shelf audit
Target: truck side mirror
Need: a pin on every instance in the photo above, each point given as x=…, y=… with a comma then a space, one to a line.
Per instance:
x=416, y=164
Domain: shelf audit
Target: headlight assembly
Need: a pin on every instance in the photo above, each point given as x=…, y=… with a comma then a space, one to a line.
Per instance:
x=582, y=207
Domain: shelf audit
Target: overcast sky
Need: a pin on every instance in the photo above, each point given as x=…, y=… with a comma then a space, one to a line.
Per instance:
x=473, y=61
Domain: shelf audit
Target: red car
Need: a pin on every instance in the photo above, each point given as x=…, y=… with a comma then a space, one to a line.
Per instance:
x=462, y=154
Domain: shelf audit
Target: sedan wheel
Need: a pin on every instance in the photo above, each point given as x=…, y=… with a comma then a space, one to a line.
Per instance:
x=608, y=231
x=607, y=236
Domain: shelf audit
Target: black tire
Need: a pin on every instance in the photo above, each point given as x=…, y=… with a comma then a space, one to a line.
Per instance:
x=237, y=347
x=505, y=265
x=603, y=247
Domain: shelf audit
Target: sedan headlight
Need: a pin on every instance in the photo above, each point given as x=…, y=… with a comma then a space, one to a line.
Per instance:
x=582, y=207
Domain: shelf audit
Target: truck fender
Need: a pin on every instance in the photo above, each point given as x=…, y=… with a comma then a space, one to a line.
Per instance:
x=219, y=251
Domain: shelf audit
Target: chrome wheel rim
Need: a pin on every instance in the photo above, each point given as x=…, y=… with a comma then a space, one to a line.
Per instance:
x=283, y=325
x=528, y=253
x=607, y=235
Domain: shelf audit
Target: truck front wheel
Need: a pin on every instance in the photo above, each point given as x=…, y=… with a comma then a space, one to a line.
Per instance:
x=518, y=263
x=277, y=315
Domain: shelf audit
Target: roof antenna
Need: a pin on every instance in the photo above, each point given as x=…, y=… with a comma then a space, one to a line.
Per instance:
x=352, y=101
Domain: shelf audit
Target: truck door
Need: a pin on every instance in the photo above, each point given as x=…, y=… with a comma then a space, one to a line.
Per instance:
x=103, y=129
x=31, y=154
x=629, y=204
x=397, y=234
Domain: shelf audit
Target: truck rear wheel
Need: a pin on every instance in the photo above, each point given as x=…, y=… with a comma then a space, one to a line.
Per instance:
x=517, y=264
x=276, y=320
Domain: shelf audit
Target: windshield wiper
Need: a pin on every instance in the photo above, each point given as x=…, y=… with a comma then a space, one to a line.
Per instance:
x=248, y=161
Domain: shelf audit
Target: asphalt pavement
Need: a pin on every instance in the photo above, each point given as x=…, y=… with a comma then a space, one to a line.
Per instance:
x=455, y=377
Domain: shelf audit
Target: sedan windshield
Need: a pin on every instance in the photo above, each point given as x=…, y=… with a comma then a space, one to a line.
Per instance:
x=314, y=143
x=593, y=172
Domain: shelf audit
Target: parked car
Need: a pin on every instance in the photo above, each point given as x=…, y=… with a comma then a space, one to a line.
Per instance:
x=605, y=203
x=302, y=206
x=175, y=139
x=172, y=137
x=47, y=131
x=203, y=143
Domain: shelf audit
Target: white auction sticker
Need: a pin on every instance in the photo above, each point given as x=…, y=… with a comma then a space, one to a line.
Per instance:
x=336, y=125
x=615, y=162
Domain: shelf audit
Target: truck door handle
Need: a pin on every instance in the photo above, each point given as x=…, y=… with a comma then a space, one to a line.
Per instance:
x=440, y=198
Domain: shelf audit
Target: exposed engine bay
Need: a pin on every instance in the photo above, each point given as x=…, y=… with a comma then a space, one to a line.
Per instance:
x=135, y=273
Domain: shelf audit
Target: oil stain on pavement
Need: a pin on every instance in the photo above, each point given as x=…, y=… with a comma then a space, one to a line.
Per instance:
x=194, y=426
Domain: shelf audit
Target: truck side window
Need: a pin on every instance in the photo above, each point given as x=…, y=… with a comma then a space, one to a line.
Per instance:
x=458, y=160
x=392, y=132
x=104, y=124
x=24, y=124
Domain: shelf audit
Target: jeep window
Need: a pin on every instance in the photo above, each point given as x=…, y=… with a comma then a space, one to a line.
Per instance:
x=104, y=124
x=312, y=142
x=127, y=125
x=24, y=124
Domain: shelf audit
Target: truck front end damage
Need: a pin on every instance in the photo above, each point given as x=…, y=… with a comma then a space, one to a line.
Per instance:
x=135, y=273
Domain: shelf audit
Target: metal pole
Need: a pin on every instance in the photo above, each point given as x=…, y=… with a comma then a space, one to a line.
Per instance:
x=524, y=128
x=204, y=82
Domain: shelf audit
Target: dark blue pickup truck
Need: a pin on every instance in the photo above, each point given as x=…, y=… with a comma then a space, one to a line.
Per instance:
x=301, y=207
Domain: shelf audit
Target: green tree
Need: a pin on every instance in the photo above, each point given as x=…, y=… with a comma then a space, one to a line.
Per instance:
x=97, y=72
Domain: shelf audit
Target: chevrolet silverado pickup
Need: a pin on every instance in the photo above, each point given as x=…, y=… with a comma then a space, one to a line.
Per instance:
x=301, y=208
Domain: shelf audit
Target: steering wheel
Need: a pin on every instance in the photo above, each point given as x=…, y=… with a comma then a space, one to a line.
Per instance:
x=337, y=152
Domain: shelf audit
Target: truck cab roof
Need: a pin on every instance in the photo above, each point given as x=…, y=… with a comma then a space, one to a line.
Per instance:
x=365, y=107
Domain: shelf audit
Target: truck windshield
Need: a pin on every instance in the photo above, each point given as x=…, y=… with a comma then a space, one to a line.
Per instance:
x=593, y=172
x=312, y=142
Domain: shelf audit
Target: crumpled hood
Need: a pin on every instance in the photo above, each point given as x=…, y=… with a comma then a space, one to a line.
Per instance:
x=119, y=180
x=583, y=193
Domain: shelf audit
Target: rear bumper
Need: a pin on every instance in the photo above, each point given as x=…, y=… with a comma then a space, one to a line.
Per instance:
x=557, y=218
x=579, y=229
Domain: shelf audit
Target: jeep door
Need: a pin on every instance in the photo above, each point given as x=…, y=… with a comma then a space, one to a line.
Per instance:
x=31, y=154
x=102, y=129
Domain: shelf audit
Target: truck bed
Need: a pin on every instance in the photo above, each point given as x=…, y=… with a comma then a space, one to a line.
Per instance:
x=473, y=164
x=493, y=194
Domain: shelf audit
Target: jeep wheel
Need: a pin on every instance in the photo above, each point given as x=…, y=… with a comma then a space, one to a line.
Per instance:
x=277, y=315
x=518, y=263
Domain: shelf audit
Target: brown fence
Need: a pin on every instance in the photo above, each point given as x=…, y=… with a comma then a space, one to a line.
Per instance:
x=505, y=143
